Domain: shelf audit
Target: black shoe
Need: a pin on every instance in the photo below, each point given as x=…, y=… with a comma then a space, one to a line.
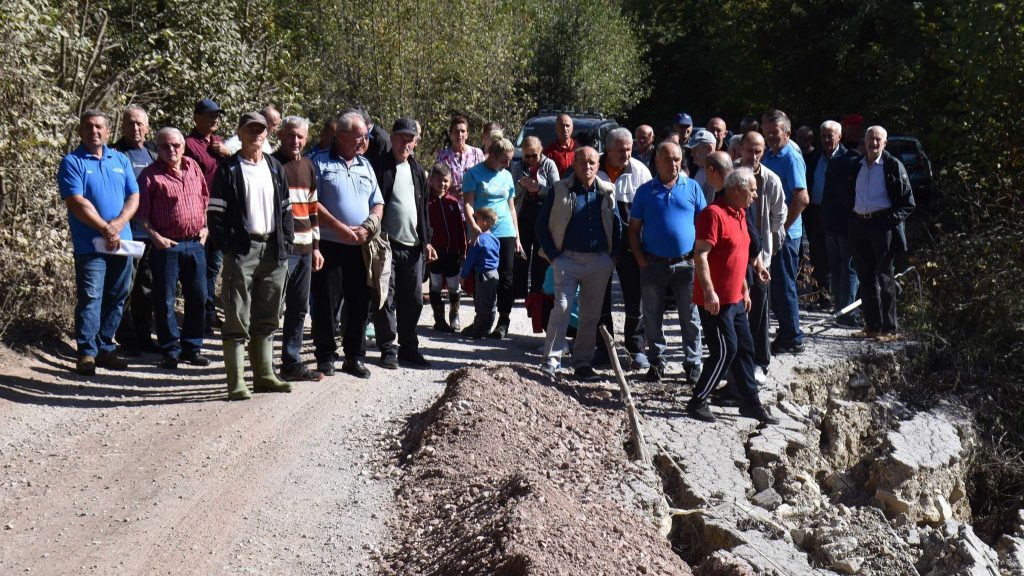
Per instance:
x=725, y=399
x=586, y=374
x=169, y=363
x=355, y=368
x=196, y=359
x=389, y=361
x=758, y=412
x=110, y=361
x=500, y=331
x=700, y=411
x=692, y=372
x=654, y=373
x=130, y=350
x=442, y=326
x=786, y=348
x=325, y=368
x=299, y=373
x=413, y=358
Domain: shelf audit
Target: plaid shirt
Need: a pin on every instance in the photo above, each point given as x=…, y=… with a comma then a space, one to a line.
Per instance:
x=175, y=206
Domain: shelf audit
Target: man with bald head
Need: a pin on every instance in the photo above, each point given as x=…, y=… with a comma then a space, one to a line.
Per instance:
x=661, y=233
x=562, y=149
x=718, y=128
x=643, y=144
x=579, y=230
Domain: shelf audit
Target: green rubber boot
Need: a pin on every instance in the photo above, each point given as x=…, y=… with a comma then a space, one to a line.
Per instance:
x=261, y=356
x=234, y=363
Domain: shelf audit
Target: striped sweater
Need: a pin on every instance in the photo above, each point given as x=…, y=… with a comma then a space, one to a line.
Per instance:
x=302, y=191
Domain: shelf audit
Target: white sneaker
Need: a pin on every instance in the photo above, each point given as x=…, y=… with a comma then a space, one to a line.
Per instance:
x=551, y=368
x=761, y=375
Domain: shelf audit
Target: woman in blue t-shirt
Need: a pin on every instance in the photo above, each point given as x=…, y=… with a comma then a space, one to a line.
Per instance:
x=489, y=184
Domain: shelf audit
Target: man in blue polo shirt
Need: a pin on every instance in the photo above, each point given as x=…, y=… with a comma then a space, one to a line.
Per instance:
x=661, y=233
x=785, y=160
x=349, y=197
x=98, y=186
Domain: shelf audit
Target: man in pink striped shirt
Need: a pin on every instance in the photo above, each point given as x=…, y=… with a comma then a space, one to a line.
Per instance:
x=172, y=210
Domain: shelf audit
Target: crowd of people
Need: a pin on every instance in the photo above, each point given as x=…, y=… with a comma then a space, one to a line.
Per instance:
x=346, y=230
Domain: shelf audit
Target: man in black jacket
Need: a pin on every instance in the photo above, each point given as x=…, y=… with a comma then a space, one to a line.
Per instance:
x=403, y=184
x=817, y=167
x=879, y=193
x=250, y=219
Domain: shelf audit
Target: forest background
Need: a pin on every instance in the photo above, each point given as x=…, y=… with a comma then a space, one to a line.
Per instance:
x=950, y=72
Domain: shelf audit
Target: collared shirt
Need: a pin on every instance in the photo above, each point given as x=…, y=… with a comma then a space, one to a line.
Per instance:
x=197, y=147
x=174, y=205
x=562, y=155
x=820, y=170
x=633, y=175
x=872, y=195
x=259, y=196
x=668, y=215
x=725, y=228
x=789, y=166
x=459, y=163
x=302, y=194
x=106, y=182
x=347, y=190
x=585, y=232
x=492, y=190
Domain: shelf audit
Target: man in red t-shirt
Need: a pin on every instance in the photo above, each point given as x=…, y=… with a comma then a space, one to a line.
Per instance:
x=562, y=150
x=721, y=255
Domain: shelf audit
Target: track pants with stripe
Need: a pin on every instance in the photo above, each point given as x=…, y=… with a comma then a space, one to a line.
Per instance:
x=727, y=336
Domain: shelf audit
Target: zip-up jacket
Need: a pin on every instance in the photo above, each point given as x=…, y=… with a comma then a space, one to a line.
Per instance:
x=225, y=216
x=448, y=224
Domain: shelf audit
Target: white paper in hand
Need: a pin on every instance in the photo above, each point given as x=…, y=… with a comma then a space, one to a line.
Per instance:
x=131, y=248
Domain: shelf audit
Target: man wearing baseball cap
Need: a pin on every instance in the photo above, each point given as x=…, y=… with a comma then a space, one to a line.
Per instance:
x=702, y=144
x=250, y=219
x=403, y=184
x=683, y=125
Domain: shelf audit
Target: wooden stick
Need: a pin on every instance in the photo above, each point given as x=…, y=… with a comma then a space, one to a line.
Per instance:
x=636, y=434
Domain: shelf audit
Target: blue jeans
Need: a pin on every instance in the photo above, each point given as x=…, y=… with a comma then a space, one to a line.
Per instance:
x=654, y=280
x=842, y=272
x=101, y=284
x=785, y=265
x=296, y=305
x=185, y=262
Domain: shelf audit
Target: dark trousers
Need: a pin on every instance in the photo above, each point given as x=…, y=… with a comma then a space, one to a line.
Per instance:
x=727, y=335
x=214, y=261
x=343, y=278
x=528, y=273
x=484, y=296
x=506, y=266
x=137, y=321
x=629, y=283
x=873, y=244
x=185, y=262
x=818, y=247
x=296, y=306
x=398, y=318
x=758, y=318
x=785, y=306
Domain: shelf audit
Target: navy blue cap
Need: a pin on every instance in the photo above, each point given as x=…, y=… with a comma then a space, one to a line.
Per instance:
x=207, y=105
x=684, y=119
x=404, y=126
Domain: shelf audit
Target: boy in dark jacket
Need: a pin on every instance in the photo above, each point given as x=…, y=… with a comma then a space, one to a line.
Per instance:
x=449, y=239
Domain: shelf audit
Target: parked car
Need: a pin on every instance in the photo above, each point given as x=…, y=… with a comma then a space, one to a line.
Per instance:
x=909, y=150
x=543, y=126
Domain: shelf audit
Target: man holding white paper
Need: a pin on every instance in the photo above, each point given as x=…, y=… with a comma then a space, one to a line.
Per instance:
x=99, y=188
x=172, y=211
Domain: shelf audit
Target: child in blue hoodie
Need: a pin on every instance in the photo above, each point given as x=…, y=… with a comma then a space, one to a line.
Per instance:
x=482, y=260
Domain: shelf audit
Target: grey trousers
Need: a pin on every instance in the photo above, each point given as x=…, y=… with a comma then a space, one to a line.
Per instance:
x=589, y=272
x=654, y=281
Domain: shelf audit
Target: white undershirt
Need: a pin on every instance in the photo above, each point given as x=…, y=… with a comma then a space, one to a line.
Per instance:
x=259, y=196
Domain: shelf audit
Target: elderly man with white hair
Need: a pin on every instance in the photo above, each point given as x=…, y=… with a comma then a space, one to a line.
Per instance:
x=172, y=211
x=817, y=168
x=878, y=189
x=626, y=173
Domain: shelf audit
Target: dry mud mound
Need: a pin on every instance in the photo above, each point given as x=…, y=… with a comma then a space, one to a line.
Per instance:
x=506, y=475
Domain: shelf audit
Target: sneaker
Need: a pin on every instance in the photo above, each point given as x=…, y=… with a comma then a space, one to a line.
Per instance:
x=654, y=373
x=586, y=374
x=196, y=359
x=299, y=373
x=758, y=412
x=85, y=366
x=168, y=363
x=413, y=358
x=761, y=375
x=700, y=410
x=786, y=348
x=325, y=368
x=110, y=361
x=389, y=361
x=692, y=373
x=550, y=369
x=355, y=367
x=500, y=331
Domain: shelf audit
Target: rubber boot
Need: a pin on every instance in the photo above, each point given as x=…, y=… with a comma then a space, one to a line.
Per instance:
x=261, y=356
x=234, y=363
x=453, y=313
x=437, y=305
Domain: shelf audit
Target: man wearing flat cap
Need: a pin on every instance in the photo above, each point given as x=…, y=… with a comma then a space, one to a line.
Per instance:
x=403, y=185
x=250, y=219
